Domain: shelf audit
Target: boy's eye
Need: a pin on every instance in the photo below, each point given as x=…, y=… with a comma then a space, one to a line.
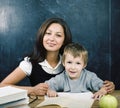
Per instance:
x=69, y=62
x=78, y=63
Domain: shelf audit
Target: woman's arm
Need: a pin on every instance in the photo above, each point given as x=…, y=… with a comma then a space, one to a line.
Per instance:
x=13, y=78
x=16, y=76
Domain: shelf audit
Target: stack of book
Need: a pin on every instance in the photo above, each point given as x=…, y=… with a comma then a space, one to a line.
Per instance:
x=12, y=96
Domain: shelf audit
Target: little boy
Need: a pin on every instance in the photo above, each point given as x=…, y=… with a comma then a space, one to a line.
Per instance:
x=76, y=78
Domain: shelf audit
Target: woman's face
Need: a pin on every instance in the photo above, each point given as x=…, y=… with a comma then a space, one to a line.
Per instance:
x=54, y=37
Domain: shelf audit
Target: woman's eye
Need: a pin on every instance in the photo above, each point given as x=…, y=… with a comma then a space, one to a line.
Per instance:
x=48, y=33
x=58, y=35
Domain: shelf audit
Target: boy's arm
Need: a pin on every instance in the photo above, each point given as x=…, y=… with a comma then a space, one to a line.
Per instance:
x=56, y=83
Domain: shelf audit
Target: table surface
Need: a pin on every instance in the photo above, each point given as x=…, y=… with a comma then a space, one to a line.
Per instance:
x=116, y=93
x=33, y=104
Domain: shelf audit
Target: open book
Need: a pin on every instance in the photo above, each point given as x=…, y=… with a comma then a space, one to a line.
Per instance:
x=10, y=94
x=70, y=100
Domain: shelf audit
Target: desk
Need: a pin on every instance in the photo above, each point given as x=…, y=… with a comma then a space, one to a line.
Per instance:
x=116, y=93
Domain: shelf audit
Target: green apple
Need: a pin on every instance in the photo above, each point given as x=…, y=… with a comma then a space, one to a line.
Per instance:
x=108, y=101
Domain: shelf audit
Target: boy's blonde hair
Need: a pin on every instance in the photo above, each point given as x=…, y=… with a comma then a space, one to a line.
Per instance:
x=76, y=50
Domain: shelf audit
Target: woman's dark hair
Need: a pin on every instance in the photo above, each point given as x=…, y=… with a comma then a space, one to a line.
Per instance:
x=39, y=52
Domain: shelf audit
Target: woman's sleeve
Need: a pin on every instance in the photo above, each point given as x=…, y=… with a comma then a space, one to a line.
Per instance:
x=26, y=66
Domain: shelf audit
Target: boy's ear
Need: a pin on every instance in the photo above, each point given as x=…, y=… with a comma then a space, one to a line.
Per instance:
x=85, y=66
x=63, y=63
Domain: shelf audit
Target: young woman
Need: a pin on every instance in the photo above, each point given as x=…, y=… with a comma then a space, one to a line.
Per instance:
x=45, y=60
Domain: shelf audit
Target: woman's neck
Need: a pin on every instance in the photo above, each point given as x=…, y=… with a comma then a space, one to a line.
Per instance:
x=52, y=59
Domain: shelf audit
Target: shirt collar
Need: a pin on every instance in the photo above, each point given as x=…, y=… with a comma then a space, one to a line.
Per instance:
x=46, y=64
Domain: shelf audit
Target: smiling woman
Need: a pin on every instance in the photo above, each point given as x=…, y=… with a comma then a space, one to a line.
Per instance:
x=45, y=60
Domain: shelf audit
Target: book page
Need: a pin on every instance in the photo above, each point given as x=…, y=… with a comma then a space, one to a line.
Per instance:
x=70, y=100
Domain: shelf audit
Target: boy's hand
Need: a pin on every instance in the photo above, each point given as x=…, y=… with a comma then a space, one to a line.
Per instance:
x=100, y=93
x=51, y=93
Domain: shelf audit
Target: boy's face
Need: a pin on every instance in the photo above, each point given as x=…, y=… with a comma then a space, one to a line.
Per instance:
x=73, y=66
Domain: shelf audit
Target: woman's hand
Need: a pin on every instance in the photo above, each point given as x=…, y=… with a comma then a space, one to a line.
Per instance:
x=39, y=89
x=110, y=87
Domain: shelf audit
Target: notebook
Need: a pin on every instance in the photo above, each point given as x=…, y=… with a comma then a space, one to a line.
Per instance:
x=70, y=100
x=9, y=94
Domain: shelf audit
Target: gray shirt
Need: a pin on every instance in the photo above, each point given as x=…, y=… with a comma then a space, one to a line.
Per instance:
x=88, y=81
